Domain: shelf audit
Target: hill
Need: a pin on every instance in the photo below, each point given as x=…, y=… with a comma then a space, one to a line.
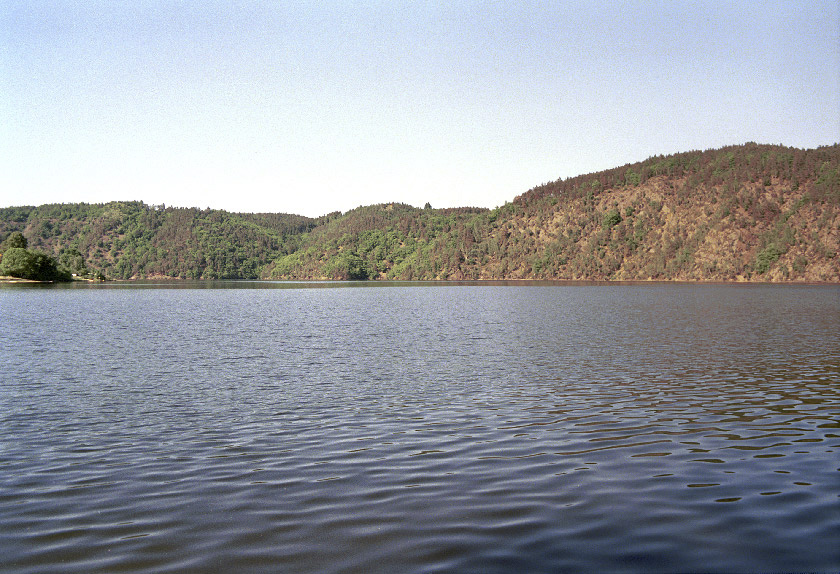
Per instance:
x=748, y=212
x=129, y=240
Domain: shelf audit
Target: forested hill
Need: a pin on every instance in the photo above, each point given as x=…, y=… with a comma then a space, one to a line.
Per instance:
x=749, y=212
x=125, y=240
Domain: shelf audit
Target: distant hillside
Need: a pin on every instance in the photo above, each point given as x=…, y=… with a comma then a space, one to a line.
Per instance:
x=749, y=212
x=126, y=240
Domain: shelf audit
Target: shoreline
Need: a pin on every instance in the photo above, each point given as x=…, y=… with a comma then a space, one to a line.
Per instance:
x=11, y=280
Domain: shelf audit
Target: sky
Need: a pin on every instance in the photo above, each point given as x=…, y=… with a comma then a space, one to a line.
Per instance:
x=314, y=107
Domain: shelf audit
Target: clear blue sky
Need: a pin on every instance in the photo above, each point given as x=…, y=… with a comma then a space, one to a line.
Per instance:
x=311, y=107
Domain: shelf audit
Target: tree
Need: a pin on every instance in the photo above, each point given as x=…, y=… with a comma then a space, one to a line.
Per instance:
x=349, y=266
x=72, y=260
x=15, y=240
x=18, y=262
x=611, y=219
x=25, y=264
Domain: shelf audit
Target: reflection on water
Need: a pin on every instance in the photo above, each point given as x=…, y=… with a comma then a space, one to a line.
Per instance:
x=420, y=428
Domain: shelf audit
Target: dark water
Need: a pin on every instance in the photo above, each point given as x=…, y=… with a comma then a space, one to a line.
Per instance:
x=420, y=429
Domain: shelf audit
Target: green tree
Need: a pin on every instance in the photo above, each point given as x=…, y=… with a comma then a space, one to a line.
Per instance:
x=611, y=219
x=73, y=261
x=349, y=266
x=767, y=256
x=15, y=240
x=25, y=264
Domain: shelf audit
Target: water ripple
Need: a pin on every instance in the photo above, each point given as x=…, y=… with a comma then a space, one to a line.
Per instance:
x=457, y=429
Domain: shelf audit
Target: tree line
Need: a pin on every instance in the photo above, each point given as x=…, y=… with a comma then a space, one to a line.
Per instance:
x=740, y=212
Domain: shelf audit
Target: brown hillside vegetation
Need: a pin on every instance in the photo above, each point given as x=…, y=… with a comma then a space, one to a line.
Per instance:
x=749, y=212
x=659, y=230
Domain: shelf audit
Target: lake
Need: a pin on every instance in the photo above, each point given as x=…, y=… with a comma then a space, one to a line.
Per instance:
x=376, y=427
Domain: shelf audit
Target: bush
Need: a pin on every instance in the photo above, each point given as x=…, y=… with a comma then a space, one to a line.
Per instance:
x=766, y=257
x=800, y=263
x=611, y=219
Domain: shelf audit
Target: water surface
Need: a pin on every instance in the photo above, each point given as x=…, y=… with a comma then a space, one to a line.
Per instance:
x=419, y=428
